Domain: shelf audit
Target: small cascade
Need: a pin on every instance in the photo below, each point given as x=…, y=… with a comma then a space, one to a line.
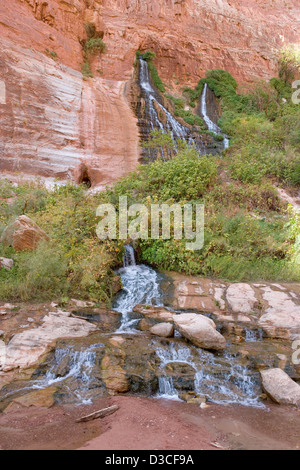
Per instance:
x=129, y=257
x=218, y=377
x=253, y=336
x=212, y=127
x=141, y=285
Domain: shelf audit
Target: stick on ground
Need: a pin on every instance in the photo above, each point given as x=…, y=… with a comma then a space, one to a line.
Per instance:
x=98, y=414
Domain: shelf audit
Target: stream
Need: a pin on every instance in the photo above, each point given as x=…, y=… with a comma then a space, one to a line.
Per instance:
x=157, y=367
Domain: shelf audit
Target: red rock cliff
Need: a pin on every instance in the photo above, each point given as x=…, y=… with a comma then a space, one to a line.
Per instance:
x=54, y=124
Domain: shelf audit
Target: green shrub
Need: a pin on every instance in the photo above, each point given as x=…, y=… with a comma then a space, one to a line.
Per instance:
x=86, y=70
x=94, y=46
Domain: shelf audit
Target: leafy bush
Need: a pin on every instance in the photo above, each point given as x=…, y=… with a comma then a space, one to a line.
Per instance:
x=94, y=46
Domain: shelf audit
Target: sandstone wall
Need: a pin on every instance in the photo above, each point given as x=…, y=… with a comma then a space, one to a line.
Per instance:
x=54, y=124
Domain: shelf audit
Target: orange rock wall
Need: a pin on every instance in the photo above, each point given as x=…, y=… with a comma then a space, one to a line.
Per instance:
x=54, y=124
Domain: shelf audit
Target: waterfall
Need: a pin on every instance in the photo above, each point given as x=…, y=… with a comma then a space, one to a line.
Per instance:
x=141, y=285
x=152, y=105
x=212, y=127
x=129, y=257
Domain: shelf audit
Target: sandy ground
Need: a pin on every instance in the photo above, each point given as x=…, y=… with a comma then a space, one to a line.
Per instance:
x=151, y=424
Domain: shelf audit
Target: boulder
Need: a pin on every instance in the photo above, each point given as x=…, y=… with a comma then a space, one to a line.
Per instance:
x=280, y=387
x=6, y=263
x=23, y=234
x=165, y=330
x=200, y=330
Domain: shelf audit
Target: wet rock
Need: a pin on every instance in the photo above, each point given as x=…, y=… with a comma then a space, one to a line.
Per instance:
x=241, y=298
x=193, y=398
x=146, y=324
x=165, y=330
x=106, y=321
x=182, y=374
x=200, y=330
x=157, y=313
x=117, y=284
x=23, y=234
x=6, y=263
x=113, y=374
x=280, y=387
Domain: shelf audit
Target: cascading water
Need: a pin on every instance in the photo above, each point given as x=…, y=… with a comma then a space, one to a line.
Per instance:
x=212, y=127
x=152, y=105
x=220, y=378
x=129, y=257
x=141, y=285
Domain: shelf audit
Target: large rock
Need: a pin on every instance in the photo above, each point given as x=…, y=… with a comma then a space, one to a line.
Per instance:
x=280, y=387
x=165, y=330
x=25, y=349
x=53, y=124
x=200, y=330
x=23, y=234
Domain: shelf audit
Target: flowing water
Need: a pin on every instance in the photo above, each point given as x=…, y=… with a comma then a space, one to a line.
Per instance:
x=158, y=117
x=212, y=127
x=141, y=285
x=222, y=377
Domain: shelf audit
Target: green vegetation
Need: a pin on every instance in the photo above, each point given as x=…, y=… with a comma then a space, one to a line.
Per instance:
x=247, y=230
x=52, y=54
x=86, y=70
x=74, y=262
x=94, y=45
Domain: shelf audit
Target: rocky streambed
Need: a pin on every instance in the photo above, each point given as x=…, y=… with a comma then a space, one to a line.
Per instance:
x=174, y=337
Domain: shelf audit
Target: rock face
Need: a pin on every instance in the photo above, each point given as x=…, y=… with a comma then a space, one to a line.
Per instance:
x=56, y=125
x=23, y=234
x=280, y=387
x=200, y=330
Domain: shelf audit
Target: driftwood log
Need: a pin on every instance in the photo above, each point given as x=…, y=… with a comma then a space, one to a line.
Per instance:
x=98, y=414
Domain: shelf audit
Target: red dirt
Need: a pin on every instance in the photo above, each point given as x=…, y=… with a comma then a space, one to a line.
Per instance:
x=151, y=424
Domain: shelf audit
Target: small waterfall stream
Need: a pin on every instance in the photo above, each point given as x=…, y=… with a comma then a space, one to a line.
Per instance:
x=141, y=285
x=212, y=127
x=153, y=108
